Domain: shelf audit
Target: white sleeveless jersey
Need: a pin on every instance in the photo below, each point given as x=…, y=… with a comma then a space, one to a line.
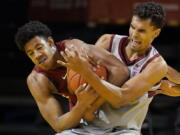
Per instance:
x=132, y=115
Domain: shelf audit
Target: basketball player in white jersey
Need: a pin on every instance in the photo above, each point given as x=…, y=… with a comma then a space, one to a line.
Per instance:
x=146, y=67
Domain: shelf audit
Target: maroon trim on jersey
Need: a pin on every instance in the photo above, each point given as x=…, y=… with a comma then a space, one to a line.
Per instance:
x=121, y=49
x=151, y=94
x=110, y=47
x=58, y=82
x=55, y=76
x=122, y=53
x=50, y=75
x=155, y=56
x=39, y=70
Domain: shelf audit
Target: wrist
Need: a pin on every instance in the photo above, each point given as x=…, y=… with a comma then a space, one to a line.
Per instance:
x=83, y=105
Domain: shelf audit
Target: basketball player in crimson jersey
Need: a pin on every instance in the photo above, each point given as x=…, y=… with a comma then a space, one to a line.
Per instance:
x=146, y=66
x=48, y=77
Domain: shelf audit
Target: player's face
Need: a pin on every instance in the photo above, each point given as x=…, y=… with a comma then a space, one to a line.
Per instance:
x=141, y=34
x=41, y=52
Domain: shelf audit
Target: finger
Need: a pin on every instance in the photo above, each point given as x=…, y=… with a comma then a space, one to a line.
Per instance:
x=68, y=53
x=64, y=55
x=83, y=54
x=62, y=63
x=75, y=50
x=88, y=87
x=87, y=56
x=72, y=51
x=70, y=46
x=80, y=88
x=90, y=90
x=94, y=69
x=99, y=63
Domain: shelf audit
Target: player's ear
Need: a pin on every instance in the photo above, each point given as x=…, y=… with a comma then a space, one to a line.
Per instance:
x=157, y=32
x=50, y=41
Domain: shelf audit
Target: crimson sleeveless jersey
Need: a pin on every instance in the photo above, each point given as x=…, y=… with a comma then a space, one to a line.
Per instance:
x=56, y=76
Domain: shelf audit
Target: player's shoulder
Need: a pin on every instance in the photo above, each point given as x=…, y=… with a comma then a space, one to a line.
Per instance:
x=159, y=60
x=106, y=36
x=158, y=64
x=39, y=86
x=104, y=41
x=36, y=78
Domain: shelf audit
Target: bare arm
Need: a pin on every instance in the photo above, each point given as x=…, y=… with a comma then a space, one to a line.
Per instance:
x=130, y=90
x=104, y=41
x=118, y=73
x=173, y=75
x=50, y=108
x=168, y=88
x=152, y=74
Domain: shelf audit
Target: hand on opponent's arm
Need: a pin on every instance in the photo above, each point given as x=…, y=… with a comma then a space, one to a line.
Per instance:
x=70, y=52
x=117, y=96
x=168, y=88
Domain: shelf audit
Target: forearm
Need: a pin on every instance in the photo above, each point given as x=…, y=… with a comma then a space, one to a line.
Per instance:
x=89, y=114
x=70, y=119
x=97, y=104
x=173, y=75
x=109, y=92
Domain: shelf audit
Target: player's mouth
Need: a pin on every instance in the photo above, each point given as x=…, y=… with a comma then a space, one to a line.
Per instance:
x=42, y=60
x=135, y=43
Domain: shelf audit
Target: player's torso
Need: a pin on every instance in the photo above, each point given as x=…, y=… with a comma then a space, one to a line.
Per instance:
x=131, y=115
x=58, y=76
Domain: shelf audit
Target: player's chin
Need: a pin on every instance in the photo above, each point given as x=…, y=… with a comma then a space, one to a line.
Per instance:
x=45, y=65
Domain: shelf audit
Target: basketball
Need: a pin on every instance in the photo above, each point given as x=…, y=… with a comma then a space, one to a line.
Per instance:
x=75, y=80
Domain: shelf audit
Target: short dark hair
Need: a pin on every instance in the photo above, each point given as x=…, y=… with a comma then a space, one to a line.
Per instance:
x=29, y=31
x=153, y=11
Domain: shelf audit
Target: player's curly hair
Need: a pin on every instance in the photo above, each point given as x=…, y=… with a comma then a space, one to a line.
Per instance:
x=151, y=10
x=29, y=31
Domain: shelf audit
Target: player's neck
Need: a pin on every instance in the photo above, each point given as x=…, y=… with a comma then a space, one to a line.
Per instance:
x=132, y=54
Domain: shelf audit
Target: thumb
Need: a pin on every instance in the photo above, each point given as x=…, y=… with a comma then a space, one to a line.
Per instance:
x=158, y=92
x=62, y=63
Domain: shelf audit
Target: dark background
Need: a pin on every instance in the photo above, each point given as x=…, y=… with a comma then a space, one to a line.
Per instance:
x=86, y=20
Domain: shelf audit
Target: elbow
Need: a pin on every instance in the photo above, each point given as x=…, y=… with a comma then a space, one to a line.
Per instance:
x=122, y=100
x=57, y=128
x=117, y=103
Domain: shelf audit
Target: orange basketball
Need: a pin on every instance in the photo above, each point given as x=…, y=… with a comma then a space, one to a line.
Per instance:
x=74, y=79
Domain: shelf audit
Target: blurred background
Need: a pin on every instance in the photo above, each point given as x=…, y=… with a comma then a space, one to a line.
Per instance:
x=86, y=20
